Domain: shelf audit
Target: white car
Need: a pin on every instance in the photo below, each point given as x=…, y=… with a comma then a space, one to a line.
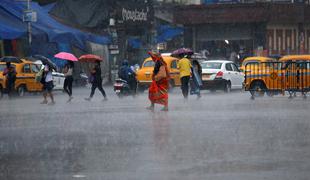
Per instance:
x=58, y=78
x=221, y=75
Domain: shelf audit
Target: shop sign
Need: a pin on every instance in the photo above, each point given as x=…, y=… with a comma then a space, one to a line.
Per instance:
x=135, y=13
x=113, y=46
x=30, y=16
x=114, y=51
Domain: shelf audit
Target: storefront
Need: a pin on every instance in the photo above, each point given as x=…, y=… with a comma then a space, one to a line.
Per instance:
x=134, y=30
x=246, y=29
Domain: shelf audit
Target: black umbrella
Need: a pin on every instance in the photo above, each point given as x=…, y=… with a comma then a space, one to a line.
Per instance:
x=10, y=59
x=180, y=51
x=46, y=60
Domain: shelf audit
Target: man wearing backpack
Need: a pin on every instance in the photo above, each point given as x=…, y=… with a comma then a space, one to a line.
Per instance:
x=10, y=74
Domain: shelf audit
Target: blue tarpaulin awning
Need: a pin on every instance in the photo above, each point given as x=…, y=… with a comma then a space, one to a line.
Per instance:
x=12, y=26
x=167, y=32
x=134, y=42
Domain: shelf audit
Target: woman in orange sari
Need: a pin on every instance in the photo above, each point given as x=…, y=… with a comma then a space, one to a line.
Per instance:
x=158, y=91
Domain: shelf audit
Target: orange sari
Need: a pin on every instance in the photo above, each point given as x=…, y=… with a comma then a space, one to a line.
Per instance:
x=158, y=91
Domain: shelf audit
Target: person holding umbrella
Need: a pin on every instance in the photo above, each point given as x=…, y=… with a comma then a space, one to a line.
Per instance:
x=47, y=81
x=184, y=65
x=47, y=78
x=96, y=81
x=68, y=72
x=10, y=74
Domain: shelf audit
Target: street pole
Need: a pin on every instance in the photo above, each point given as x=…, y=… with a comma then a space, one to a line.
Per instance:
x=29, y=23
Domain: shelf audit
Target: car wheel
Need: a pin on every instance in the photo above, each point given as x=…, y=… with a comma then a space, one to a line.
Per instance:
x=21, y=90
x=257, y=89
x=227, y=87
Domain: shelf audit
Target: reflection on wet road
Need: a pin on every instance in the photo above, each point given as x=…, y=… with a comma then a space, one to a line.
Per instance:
x=219, y=137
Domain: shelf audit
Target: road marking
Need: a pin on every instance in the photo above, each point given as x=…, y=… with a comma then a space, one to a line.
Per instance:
x=79, y=176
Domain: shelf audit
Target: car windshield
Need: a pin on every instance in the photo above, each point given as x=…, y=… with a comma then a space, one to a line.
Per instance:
x=211, y=65
x=149, y=64
x=34, y=68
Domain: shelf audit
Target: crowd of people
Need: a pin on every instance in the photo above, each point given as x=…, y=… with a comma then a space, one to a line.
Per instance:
x=190, y=76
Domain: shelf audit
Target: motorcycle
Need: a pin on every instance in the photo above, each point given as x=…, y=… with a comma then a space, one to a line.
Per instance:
x=122, y=88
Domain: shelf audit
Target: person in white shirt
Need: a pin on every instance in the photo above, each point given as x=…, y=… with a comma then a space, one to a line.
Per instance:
x=47, y=81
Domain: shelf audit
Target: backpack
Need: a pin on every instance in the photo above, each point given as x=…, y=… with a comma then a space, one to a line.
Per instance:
x=39, y=76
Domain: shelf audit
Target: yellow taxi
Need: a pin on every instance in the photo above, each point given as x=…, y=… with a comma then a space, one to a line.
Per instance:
x=262, y=74
x=25, y=77
x=144, y=74
x=290, y=73
x=296, y=70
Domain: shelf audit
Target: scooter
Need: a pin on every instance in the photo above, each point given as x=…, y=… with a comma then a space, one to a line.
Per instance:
x=122, y=88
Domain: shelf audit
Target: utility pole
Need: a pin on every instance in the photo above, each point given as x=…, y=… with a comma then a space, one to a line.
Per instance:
x=29, y=23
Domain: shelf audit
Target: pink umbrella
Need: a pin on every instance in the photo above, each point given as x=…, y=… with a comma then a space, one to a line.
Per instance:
x=66, y=56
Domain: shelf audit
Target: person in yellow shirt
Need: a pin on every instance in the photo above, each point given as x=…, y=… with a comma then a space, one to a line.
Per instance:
x=184, y=65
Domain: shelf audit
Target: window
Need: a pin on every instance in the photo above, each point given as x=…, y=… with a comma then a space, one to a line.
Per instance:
x=228, y=67
x=174, y=64
x=26, y=68
x=211, y=65
x=34, y=68
x=149, y=64
x=2, y=67
x=235, y=68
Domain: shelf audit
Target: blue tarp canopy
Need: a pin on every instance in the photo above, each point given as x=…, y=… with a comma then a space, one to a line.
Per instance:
x=12, y=25
x=167, y=32
x=134, y=42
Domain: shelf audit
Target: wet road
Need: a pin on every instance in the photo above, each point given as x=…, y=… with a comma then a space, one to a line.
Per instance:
x=219, y=137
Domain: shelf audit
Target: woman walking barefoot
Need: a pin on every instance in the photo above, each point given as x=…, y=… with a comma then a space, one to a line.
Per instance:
x=158, y=91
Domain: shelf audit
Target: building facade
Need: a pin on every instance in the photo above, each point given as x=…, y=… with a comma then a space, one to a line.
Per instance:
x=246, y=28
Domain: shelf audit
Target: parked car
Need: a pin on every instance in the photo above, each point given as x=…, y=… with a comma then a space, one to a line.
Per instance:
x=25, y=77
x=221, y=75
x=144, y=74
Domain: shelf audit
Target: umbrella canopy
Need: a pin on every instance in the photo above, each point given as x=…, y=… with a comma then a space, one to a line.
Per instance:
x=46, y=60
x=66, y=56
x=90, y=58
x=180, y=51
x=10, y=59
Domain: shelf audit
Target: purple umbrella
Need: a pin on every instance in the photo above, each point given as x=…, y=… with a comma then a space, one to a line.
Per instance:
x=180, y=51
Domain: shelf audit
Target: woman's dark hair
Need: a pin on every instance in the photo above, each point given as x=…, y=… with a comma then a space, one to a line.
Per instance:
x=70, y=64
